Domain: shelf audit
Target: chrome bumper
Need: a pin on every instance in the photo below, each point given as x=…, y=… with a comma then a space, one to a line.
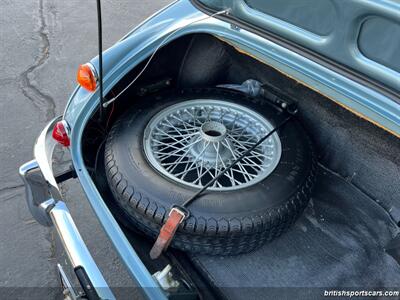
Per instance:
x=46, y=206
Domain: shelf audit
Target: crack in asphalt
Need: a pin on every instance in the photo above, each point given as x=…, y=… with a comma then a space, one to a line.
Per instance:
x=44, y=102
x=9, y=188
x=9, y=192
x=41, y=100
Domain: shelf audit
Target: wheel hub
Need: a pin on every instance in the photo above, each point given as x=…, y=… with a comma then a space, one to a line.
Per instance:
x=212, y=148
x=213, y=131
x=192, y=141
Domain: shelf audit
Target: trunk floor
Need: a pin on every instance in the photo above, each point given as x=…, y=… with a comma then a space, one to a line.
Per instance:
x=339, y=242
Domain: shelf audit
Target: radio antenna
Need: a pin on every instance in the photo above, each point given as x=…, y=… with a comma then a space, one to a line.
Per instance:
x=100, y=40
x=162, y=43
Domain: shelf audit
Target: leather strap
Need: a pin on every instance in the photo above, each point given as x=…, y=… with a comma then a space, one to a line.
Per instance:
x=167, y=232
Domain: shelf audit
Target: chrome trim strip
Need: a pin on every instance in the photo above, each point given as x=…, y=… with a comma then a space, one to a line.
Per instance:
x=43, y=152
x=44, y=202
x=37, y=174
x=67, y=286
x=76, y=249
x=36, y=191
x=94, y=71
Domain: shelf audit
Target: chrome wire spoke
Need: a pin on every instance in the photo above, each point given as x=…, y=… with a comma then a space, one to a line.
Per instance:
x=187, y=169
x=172, y=136
x=193, y=141
x=176, y=163
x=167, y=154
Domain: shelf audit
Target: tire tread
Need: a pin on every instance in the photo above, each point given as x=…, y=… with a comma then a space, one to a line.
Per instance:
x=200, y=235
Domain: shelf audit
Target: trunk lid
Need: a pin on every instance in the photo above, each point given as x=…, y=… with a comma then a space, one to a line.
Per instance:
x=362, y=37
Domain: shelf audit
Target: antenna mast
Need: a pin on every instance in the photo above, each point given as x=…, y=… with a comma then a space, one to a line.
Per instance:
x=100, y=40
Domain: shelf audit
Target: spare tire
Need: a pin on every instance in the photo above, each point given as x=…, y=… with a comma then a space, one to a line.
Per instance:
x=163, y=149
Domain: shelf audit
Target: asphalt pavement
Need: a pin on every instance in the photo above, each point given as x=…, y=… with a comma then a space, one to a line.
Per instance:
x=42, y=42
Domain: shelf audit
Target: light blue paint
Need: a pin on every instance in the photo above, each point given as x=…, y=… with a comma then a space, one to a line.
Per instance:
x=140, y=43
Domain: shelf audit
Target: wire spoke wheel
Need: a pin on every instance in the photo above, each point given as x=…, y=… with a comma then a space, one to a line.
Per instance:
x=164, y=148
x=193, y=141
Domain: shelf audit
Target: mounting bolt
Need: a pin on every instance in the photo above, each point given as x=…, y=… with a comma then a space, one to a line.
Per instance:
x=165, y=278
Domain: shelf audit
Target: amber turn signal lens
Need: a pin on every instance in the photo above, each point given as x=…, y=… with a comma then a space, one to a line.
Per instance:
x=86, y=77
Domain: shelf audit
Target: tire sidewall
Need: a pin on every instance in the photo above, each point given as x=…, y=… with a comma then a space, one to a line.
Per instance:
x=154, y=189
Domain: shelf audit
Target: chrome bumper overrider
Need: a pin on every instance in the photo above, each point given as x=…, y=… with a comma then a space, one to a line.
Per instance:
x=46, y=206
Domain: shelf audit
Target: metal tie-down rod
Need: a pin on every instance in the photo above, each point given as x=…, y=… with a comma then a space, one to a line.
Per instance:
x=179, y=213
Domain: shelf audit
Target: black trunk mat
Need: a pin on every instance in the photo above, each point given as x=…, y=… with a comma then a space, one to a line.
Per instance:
x=338, y=242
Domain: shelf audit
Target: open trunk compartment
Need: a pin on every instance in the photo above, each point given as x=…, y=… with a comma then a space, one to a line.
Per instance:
x=338, y=243
x=343, y=238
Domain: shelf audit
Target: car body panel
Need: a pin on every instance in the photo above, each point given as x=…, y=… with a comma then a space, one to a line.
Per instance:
x=123, y=56
x=183, y=18
x=347, y=32
x=127, y=53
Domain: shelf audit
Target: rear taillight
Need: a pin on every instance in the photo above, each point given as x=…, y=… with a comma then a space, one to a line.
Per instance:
x=87, y=77
x=60, y=133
